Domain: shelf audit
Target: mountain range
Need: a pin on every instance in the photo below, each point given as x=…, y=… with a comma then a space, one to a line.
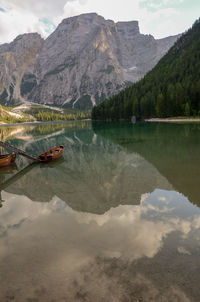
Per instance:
x=85, y=60
x=171, y=88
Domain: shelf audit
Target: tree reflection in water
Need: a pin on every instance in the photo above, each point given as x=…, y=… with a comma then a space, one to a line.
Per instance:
x=109, y=222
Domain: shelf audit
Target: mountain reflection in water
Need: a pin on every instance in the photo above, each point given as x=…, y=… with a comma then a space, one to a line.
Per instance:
x=173, y=149
x=95, y=175
x=105, y=223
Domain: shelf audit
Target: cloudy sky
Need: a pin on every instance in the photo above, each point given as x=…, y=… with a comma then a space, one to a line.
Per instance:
x=160, y=18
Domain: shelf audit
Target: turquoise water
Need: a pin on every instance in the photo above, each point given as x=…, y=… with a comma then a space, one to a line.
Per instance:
x=116, y=219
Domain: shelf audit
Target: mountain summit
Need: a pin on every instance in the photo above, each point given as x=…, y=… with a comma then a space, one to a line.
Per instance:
x=85, y=60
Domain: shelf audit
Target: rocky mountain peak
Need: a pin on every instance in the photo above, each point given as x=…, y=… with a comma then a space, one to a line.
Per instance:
x=22, y=41
x=86, y=18
x=131, y=28
x=85, y=60
x=83, y=20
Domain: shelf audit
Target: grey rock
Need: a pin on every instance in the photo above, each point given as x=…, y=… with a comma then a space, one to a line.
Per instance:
x=16, y=59
x=85, y=60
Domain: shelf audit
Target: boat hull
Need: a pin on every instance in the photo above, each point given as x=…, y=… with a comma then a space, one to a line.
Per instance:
x=13, y=157
x=7, y=159
x=52, y=154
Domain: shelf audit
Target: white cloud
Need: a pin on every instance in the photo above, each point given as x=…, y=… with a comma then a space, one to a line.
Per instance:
x=14, y=23
x=160, y=20
x=67, y=245
x=26, y=16
x=43, y=8
x=133, y=225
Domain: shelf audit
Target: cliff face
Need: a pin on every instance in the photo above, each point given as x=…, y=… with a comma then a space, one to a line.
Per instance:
x=86, y=59
x=16, y=59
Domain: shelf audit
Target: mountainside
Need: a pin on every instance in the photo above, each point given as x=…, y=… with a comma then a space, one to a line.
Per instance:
x=9, y=116
x=85, y=60
x=16, y=59
x=172, y=88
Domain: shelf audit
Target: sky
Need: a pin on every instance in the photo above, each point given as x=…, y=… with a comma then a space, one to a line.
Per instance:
x=161, y=18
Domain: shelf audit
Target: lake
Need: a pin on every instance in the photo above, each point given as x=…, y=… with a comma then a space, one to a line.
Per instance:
x=116, y=219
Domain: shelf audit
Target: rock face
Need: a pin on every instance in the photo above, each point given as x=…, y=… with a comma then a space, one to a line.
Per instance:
x=16, y=59
x=86, y=59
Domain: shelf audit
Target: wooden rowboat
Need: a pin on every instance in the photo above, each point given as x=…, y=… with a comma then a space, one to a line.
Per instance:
x=52, y=154
x=46, y=157
x=7, y=159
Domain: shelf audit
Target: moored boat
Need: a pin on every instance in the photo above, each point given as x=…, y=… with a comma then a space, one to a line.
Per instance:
x=52, y=154
x=13, y=158
x=47, y=156
x=7, y=159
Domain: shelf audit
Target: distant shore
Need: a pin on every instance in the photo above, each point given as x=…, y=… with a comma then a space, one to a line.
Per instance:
x=172, y=120
x=42, y=123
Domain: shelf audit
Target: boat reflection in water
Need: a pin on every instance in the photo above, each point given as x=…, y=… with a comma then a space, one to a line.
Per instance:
x=107, y=223
x=94, y=177
x=9, y=170
x=19, y=175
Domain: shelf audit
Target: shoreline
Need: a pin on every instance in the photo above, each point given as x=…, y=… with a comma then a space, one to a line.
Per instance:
x=172, y=120
x=41, y=123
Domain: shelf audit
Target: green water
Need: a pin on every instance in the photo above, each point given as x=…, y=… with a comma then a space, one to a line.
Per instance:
x=116, y=219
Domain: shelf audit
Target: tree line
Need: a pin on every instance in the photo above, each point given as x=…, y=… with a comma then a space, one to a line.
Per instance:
x=172, y=88
x=54, y=116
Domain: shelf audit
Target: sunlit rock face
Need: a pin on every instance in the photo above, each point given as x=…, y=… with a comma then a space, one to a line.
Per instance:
x=16, y=60
x=87, y=59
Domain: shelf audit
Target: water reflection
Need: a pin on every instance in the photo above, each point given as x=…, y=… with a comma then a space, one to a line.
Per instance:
x=173, y=149
x=105, y=223
x=147, y=247
x=95, y=175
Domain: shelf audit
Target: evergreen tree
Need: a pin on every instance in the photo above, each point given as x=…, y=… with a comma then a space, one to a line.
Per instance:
x=165, y=90
x=187, y=109
x=135, y=107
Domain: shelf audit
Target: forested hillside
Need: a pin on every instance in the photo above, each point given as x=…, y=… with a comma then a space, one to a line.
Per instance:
x=172, y=88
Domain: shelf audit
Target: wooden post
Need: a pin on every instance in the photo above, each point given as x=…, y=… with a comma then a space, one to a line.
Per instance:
x=18, y=151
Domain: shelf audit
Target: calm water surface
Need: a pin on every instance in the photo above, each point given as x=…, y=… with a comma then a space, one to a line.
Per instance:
x=116, y=219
